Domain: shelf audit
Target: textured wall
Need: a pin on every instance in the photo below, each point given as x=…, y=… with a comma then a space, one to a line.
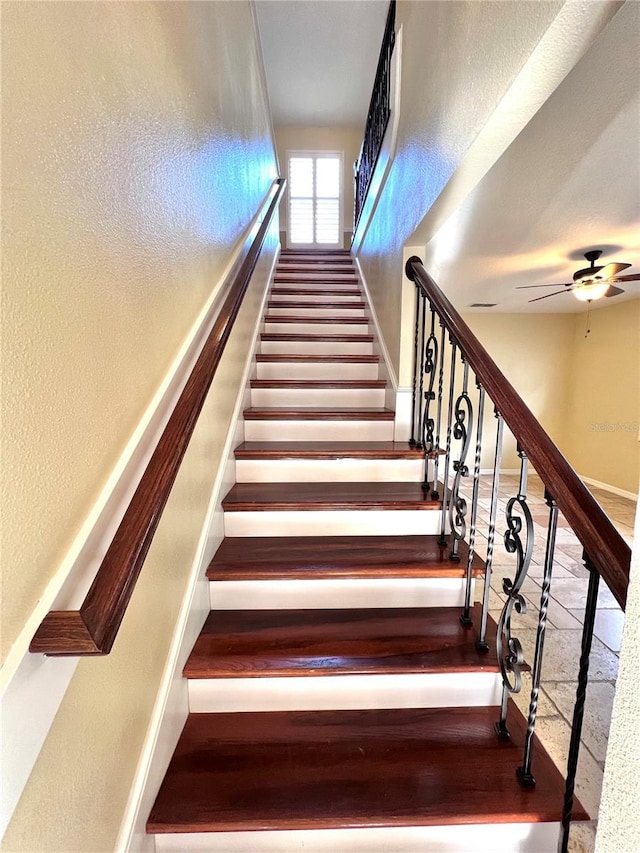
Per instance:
x=603, y=400
x=447, y=96
x=136, y=149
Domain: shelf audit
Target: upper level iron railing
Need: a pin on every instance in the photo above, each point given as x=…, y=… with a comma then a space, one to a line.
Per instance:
x=377, y=117
x=92, y=629
x=448, y=412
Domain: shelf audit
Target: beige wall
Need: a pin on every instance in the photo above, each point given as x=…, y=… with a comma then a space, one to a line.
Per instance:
x=345, y=139
x=603, y=396
x=446, y=98
x=136, y=150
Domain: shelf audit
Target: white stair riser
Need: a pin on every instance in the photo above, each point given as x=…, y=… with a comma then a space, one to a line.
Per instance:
x=329, y=470
x=318, y=430
x=353, y=522
x=314, y=311
x=470, y=838
x=316, y=328
x=316, y=370
x=283, y=397
x=344, y=692
x=314, y=298
x=317, y=347
x=338, y=593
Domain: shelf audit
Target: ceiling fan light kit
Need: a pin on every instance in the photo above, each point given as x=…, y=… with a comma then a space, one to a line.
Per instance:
x=592, y=282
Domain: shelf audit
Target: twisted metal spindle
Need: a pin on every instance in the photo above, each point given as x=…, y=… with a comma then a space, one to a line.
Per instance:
x=416, y=337
x=461, y=432
x=435, y=494
x=524, y=774
x=581, y=694
x=430, y=364
x=423, y=323
x=447, y=458
x=465, y=618
x=481, y=642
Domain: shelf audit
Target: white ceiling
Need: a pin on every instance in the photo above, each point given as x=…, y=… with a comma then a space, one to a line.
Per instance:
x=320, y=58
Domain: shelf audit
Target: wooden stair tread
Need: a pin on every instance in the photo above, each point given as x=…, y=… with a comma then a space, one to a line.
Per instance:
x=318, y=413
x=320, y=305
x=349, y=358
x=326, y=449
x=310, y=291
x=319, y=557
x=331, y=321
x=247, y=497
x=280, y=643
x=318, y=383
x=308, y=337
x=329, y=769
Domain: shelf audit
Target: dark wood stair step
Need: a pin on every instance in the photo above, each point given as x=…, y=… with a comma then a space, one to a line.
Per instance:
x=330, y=769
x=318, y=413
x=354, y=306
x=320, y=557
x=310, y=291
x=259, y=643
x=322, y=321
x=285, y=336
x=313, y=359
x=318, y=383
x=324, y=449
x=257, y=497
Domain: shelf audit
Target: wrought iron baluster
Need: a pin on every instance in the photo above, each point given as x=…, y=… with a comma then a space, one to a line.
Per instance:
x=463, y=414
x=481, y=642
x=423, y=324
x=581, y=693
x=524, y=773
x=508, y=648
x=447, y=458
x=435, y=494
x=416, y=368
x=428, y=424
x=465, y=618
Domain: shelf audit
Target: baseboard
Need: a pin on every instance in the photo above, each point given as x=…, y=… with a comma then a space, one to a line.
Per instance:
x=172, y=704
x=33, y=686
x=607, y=487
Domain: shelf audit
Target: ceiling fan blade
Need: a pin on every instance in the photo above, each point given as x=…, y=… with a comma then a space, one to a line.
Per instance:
x=528, y=286
x=633, y=277
x=549, y=294
x=614, y=291
x=611, y=270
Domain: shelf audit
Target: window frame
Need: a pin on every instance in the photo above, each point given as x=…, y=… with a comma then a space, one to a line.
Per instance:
x=317, y=154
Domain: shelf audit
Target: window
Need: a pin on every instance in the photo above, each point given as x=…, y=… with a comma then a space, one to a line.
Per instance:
x=315, y=198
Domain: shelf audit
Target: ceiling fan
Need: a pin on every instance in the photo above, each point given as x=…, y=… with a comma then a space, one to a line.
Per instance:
x=592, y=282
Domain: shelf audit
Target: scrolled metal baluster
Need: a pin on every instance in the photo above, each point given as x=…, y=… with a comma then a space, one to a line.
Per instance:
x=428, y=423
x=481, y=642
x=581, y=695
x=435, y=494
x=463, y=414
x=447, y=458
x=416, y=368
x=465, y=618
x=524, y=774
x=508, y=648
x=423, y=323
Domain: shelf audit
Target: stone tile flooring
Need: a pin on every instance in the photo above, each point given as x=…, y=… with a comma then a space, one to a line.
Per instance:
x=563, y=637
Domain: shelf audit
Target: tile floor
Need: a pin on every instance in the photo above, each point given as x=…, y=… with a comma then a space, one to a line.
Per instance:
x=563, y=637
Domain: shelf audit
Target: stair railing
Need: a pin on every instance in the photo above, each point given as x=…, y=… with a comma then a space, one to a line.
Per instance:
x=92, y=629
x=377, y=117
x=443, y=423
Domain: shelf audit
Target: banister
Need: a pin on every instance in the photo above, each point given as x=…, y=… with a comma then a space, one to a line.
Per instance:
x=92, y=629
x=607, y=550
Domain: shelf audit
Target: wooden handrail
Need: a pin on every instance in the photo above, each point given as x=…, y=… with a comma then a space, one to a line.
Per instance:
x=92, y=629
x=607, y=550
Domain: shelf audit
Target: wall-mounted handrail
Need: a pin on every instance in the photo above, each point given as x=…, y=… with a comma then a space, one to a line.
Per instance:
x=92, y=629
x=607, y=550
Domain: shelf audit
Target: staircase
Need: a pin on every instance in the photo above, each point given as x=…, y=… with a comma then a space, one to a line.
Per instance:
x=337, y=703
